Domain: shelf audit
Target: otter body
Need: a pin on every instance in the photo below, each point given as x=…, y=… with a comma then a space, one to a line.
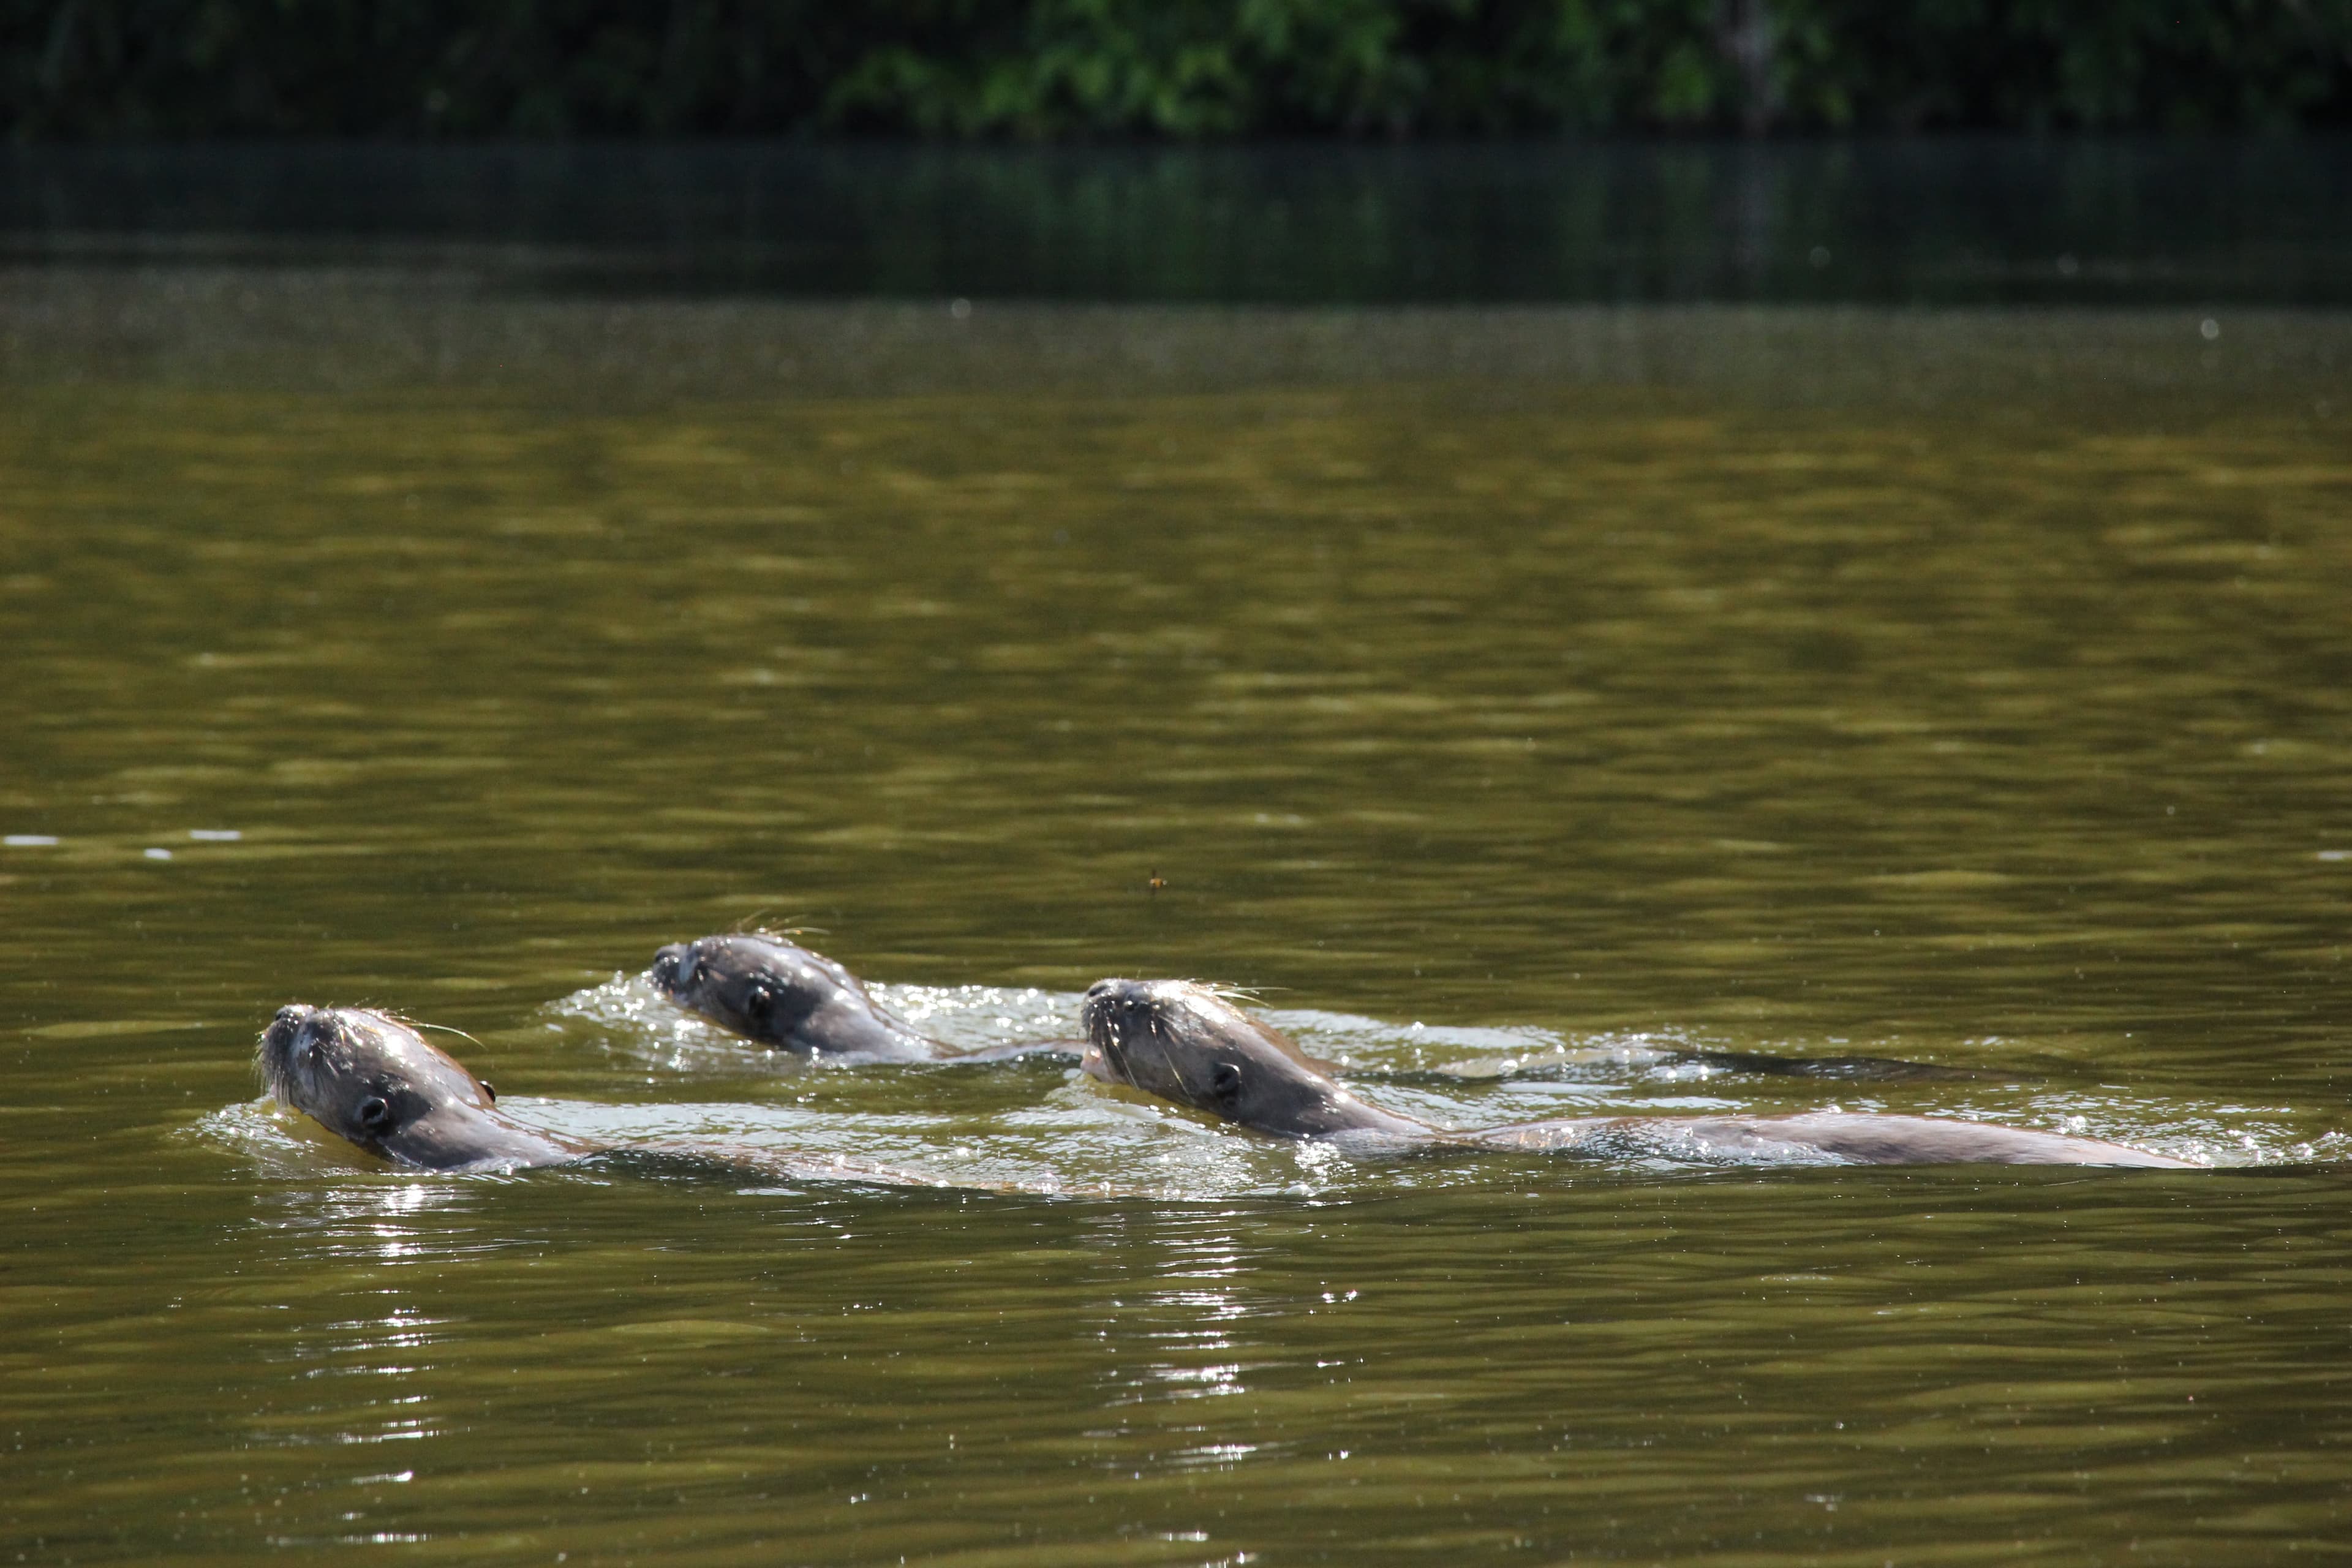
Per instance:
x=1858, y=1138
x=787, y=997
x=1185, y=1043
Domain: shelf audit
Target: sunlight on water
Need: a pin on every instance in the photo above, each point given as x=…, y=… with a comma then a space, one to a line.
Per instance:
x=1540, y=715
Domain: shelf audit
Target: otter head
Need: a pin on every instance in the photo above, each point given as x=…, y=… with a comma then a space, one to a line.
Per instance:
x=372, y=1079
x=779, y=993
x=1183, y=1042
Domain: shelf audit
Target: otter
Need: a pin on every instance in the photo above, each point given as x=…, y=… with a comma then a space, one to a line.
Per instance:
x=782, y=994
x=371, y=1078
x=1186, y=1043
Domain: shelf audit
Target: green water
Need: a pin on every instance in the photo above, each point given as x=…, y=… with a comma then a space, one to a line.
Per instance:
x=1829, y=703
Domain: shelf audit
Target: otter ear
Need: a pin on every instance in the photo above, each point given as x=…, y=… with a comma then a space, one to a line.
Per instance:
x=374, y=1114
x=489, y=1090
x=1225, y=1084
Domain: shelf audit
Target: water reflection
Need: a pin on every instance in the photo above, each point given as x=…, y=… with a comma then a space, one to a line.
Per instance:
x=1200, y=1290
x=353, y=1232
x=1181, y=1314
x=2103, y=221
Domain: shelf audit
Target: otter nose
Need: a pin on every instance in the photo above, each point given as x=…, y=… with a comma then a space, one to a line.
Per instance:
x=291, y=1021
x=1124, y=995
x=1105, y=994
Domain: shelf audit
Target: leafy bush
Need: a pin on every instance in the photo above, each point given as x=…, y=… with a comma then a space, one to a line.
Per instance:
x=1167, y=68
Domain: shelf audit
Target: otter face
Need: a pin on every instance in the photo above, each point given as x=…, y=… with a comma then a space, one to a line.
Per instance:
x=778, y=993
x=369, y=1078
x=1159, y=1036
x=1183, y=1042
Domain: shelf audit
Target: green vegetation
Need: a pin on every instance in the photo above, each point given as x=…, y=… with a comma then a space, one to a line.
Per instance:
x=1177, y=68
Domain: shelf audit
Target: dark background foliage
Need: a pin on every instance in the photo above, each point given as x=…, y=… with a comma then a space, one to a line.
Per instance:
x=1160, y=68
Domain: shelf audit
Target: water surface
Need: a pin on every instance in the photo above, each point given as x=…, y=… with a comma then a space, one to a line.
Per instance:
x=1965, y=687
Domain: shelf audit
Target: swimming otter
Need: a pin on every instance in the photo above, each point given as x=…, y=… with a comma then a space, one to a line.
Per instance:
x=1185, y=1043
x=371, y=1079
x=782, y=994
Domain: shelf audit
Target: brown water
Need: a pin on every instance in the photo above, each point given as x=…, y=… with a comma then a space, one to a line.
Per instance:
x=1502, y=727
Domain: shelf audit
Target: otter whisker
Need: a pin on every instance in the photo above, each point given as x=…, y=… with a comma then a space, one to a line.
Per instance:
x=1114, y=1046
x=270, y=1068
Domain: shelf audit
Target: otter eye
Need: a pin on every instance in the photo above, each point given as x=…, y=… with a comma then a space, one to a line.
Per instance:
x=374, y=1114
x=759, y=1002
x=1226, y=1083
